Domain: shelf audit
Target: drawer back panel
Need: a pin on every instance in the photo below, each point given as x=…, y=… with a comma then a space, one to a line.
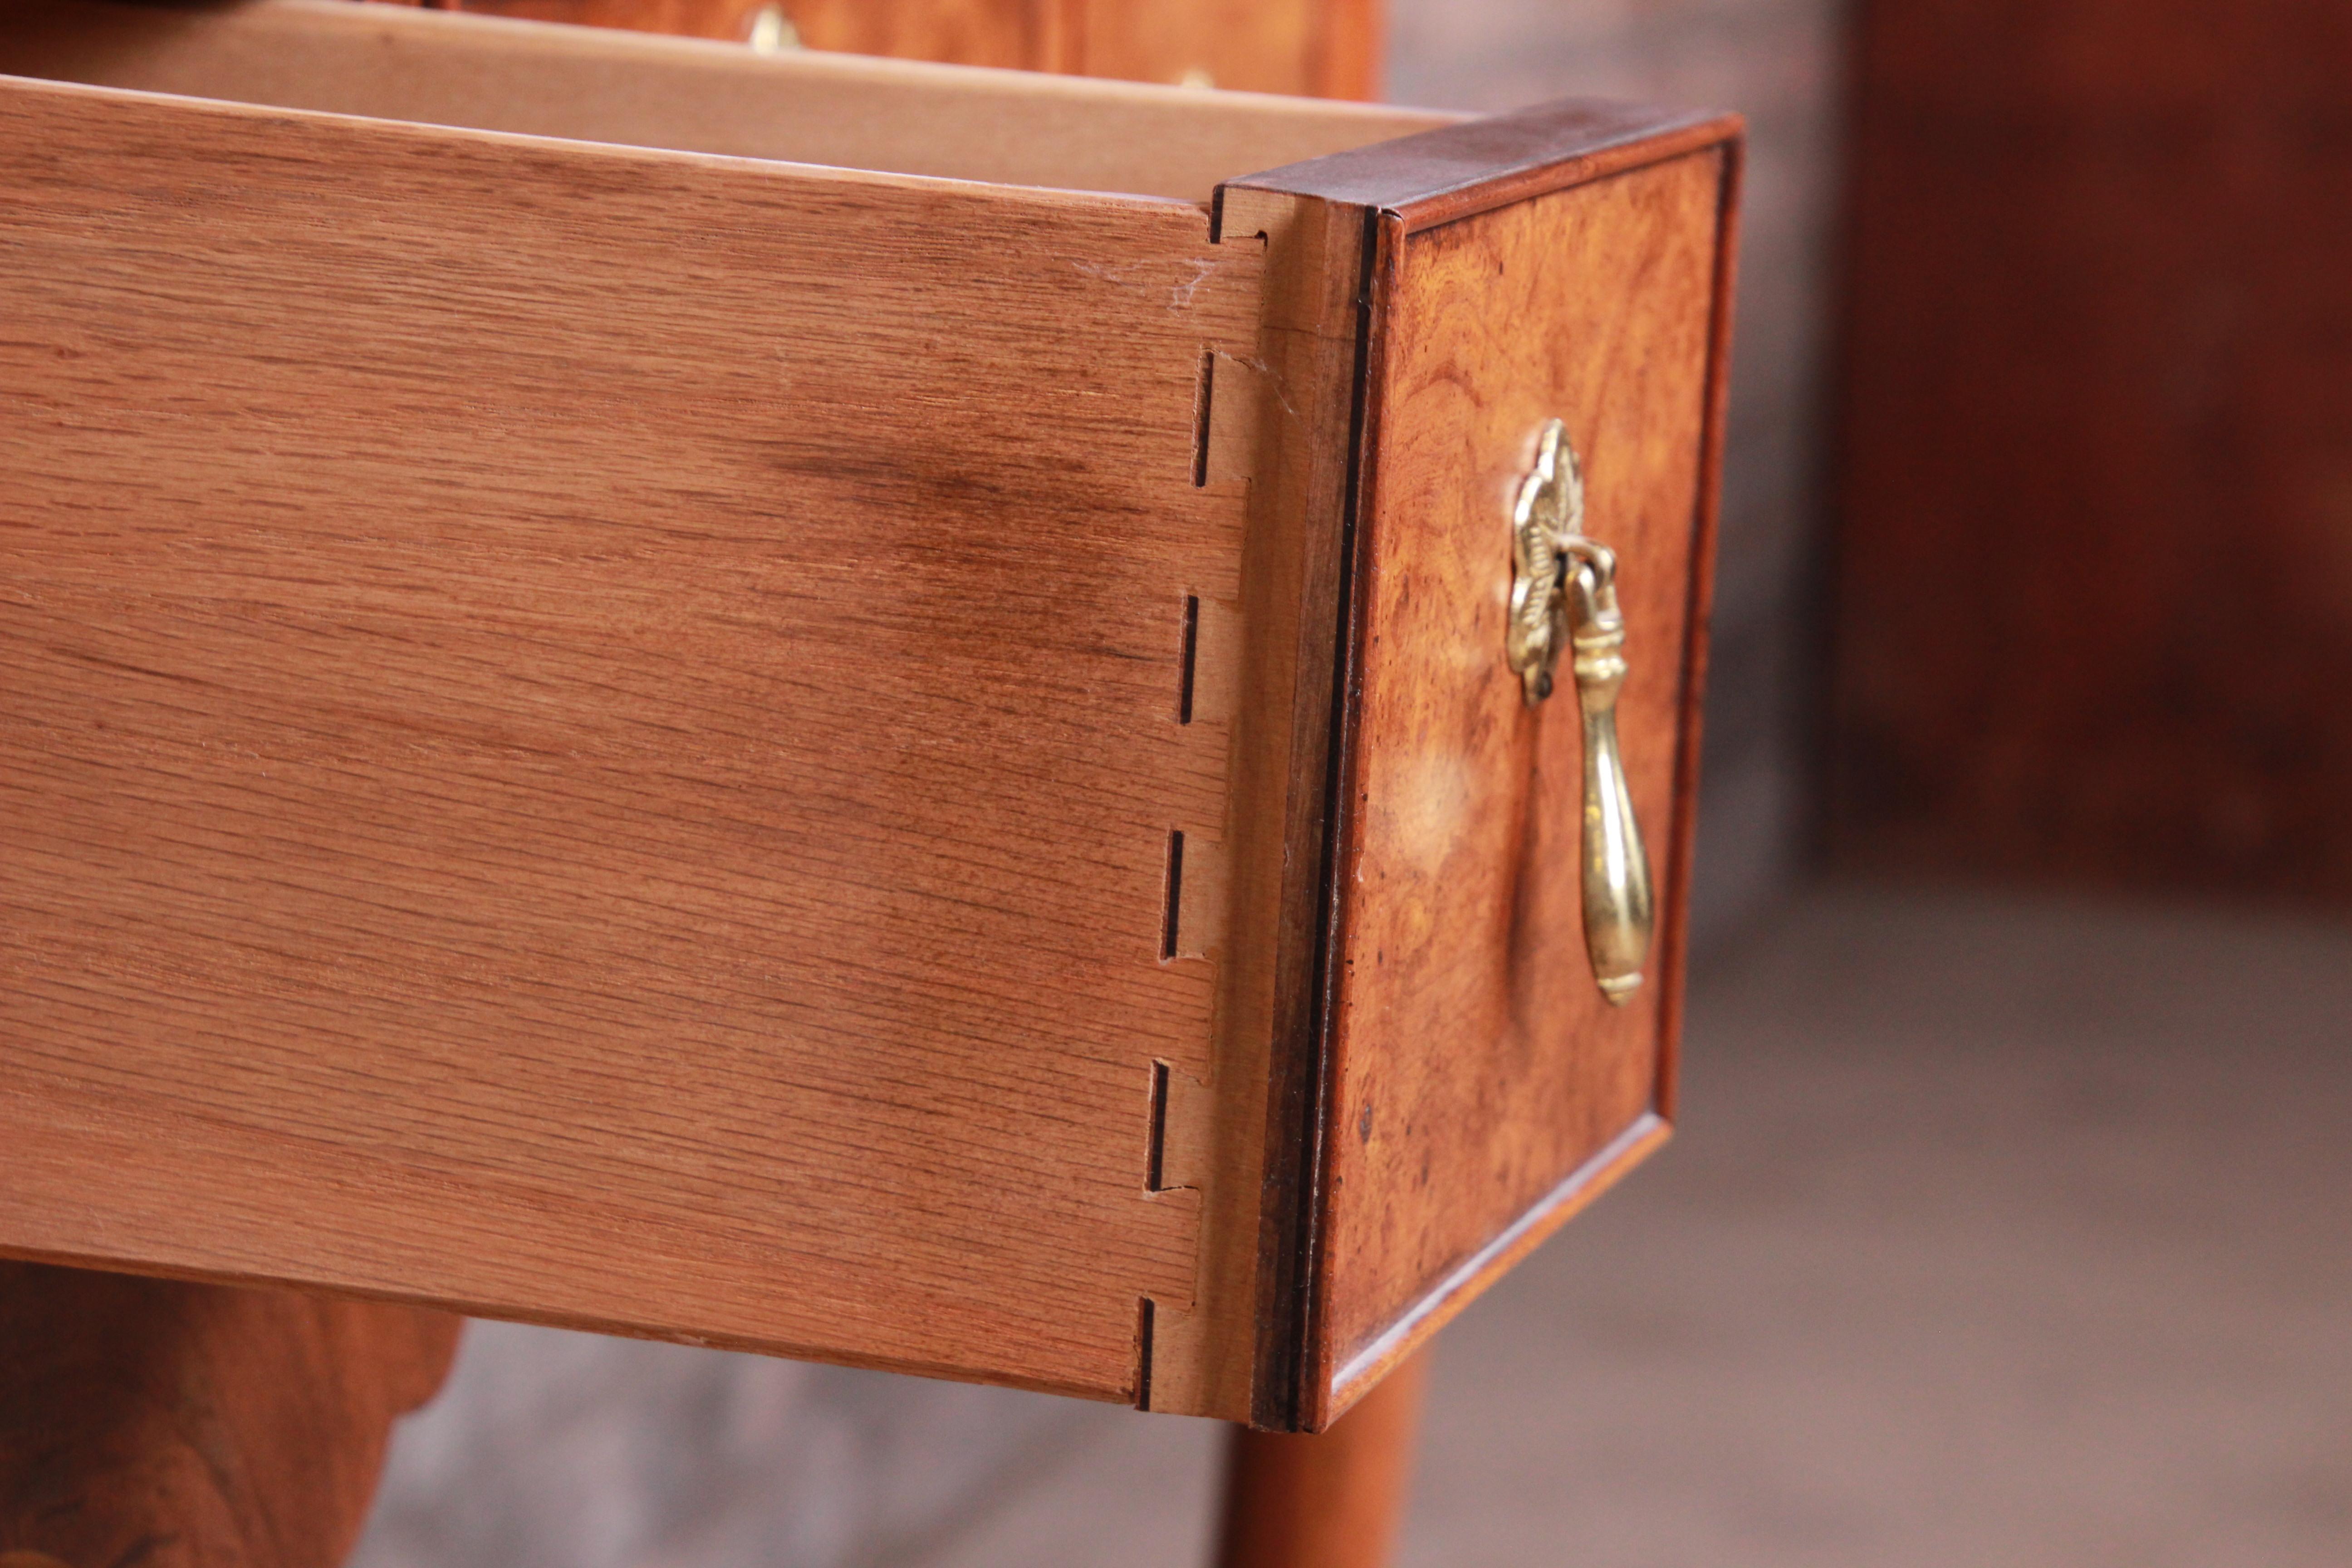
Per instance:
x=593, y=734
x=692, y=95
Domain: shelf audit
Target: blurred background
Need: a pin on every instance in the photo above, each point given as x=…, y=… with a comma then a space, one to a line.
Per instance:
x=2010, y=1217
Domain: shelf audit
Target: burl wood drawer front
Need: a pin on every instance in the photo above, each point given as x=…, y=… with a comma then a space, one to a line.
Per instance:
x=1474, y=1058
x=603, y=726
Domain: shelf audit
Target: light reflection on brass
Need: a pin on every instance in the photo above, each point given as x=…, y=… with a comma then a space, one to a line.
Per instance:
x=1564, y=595
x=1549, y=509
x=771, y=31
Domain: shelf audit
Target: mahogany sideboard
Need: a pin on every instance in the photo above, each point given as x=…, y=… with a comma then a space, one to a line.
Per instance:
x=853, y=709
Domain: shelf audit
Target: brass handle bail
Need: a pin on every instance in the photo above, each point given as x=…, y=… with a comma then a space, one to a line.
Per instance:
x=1564, y=594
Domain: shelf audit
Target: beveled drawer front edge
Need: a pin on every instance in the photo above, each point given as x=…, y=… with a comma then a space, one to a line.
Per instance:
x=1588, y=1182
x=1455, y=171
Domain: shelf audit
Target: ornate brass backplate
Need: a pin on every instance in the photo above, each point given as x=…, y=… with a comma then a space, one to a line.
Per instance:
x=1549, y=509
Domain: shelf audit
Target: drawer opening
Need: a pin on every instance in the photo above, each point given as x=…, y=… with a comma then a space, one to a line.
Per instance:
x=594, y=84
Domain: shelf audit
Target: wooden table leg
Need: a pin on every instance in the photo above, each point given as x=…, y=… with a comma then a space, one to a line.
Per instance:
x=1330, y=1500
x=178, y=1426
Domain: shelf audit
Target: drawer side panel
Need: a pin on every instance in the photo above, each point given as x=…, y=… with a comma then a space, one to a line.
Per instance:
x=593, y=735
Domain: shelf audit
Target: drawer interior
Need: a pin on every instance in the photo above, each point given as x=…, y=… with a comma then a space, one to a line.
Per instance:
x=593, y=84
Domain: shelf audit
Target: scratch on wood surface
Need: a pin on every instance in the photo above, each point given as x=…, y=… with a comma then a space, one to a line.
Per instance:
x=1154, y=274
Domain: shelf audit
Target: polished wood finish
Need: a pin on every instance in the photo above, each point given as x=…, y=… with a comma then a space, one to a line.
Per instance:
x=502, y=786
x=186, y=1425
x=1327, y=48
x=659, y=740
x=1329, y=1499
x=2095, y=559
x=1475, y=1089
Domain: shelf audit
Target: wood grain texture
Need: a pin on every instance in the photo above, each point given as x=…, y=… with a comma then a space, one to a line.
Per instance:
x=184, y=1425
x=1479, y=1086
x=1280, y=412
x=1312, y=343
x=1347, y=206
x=718, y=749
x=686, y=94
x=2095, y=557
x=580, y=776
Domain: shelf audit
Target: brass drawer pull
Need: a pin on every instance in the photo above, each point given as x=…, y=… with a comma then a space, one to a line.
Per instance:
x=1564, y=592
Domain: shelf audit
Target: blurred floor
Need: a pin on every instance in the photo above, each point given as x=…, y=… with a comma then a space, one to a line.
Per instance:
x=1997, y=1231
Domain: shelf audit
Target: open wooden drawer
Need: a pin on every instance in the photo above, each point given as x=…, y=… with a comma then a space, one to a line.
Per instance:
x=908, y=762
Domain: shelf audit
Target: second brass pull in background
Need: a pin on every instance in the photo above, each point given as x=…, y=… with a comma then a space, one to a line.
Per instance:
x=1564, y=594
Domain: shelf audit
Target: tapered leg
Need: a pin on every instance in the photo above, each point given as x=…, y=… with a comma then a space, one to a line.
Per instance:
x=1330, y=1500
x=178, y=1426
